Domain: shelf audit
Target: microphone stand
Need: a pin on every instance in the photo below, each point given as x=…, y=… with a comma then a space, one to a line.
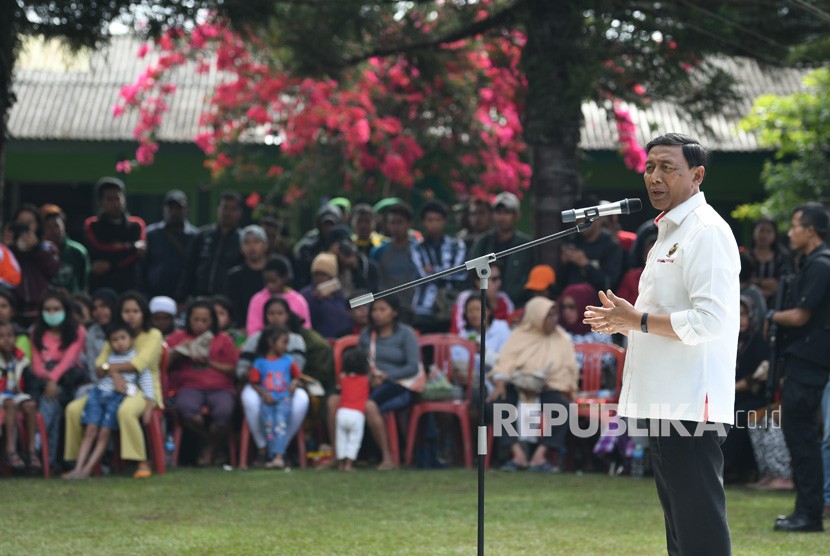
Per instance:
x=481, y=265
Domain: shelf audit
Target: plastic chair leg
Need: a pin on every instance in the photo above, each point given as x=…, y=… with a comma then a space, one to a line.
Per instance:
x=244, y=444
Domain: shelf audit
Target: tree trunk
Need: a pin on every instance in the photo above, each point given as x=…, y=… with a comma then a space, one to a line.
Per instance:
x=9, y=43
x=559, y=64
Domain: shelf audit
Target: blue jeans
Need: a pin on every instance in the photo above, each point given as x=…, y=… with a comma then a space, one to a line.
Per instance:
x=275, y=420
x=52, y=412
x=101, y=409
x=391, y=396
x=825, y=442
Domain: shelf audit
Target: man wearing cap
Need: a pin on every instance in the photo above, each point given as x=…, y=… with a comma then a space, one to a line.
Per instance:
x=593, y=256
x=311, y=244
x=168, y=242
x=540, y=283
x=245, y=280
x=215, y=250
x=506, y=213
x=116, y=240
x=73, y=272
x=357, y=272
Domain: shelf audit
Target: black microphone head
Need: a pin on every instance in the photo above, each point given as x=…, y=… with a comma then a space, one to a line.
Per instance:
x=633, y=205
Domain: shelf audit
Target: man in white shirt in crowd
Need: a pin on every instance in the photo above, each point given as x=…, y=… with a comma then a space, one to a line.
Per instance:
x=678, y=382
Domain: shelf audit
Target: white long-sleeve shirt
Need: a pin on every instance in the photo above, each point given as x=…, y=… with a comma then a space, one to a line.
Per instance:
x=692, y=274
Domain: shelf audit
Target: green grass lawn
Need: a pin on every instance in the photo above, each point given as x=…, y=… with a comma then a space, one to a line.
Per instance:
x=199, y=511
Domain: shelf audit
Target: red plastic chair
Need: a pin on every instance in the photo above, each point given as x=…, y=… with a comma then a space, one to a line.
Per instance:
x=588, y=398
x=391, y=423
x=154, y=431
x=24, y=441
x=442, y=345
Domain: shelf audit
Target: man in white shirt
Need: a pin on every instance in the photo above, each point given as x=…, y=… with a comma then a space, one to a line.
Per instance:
x=679, y=377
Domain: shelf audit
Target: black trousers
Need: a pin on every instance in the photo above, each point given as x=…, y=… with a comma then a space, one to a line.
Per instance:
x=688, y=471
x=800, y=408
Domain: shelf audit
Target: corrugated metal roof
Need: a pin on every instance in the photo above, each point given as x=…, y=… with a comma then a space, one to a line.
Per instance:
x=77, y=104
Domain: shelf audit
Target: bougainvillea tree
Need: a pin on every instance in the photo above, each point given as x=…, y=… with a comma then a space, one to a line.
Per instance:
x=481, y=95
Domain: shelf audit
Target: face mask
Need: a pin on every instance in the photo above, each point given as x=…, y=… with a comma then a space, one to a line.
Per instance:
x=53, y=319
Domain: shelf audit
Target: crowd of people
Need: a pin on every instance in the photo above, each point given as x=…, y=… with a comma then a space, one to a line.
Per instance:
x=230, y=321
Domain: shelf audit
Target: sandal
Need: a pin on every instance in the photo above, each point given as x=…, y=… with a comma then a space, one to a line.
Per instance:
x=142, y=473
x=546, y=467
x=512, y=466
x=14, y=461
x=34, y=462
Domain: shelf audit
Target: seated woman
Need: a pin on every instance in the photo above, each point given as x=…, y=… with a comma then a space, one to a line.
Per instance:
x=496, y=335
x=202, y=367
x=132, y=308
x=571, y=305
x=57, y=345
x=277, y=313
x=738, y=460
x=496, y=298
x=542, y=348
x=393, y=361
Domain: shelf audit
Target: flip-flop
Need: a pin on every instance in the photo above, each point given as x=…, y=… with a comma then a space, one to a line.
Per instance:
x=34, y=462
x=142, y=474
x=544, y=468
x=511, y=466
x=14, y=461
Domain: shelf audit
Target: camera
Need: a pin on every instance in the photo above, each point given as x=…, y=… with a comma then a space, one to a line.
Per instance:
x=18, y=230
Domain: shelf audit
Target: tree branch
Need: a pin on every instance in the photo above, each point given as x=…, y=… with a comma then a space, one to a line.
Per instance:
x=476, y=28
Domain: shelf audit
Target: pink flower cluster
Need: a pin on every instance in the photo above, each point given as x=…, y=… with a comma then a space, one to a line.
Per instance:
x=634, y=156
x=380, y=118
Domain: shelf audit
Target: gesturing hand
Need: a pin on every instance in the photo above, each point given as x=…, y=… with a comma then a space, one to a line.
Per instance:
x=615, y=316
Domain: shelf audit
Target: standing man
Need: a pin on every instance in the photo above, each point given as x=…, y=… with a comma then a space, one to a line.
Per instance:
x=215, y=250
x=806, y=364
x=679, y=378
x=73, y=273
x=245, y=280
x=506, y=213
x=168, y=243
x=116, y=240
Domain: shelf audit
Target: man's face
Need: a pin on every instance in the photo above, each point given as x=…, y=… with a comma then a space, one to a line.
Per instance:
x=164, y=322
x=669, y=179
x=397, y=226
x=174, y=213
x=363, y=224
x=434, y=224
x=112, y=202
x=798, y=234
x=253, y=248
x=505, y=219
x=480, y=217
x=228, y=213
x=54, y=230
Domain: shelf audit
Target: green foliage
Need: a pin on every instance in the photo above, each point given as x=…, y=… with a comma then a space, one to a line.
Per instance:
x=797, y=128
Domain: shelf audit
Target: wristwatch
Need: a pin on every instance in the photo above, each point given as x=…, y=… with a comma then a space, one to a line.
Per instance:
x=105, y=367
x=644, y=323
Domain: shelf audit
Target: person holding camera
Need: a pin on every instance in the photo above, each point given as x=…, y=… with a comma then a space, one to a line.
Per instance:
x=357, y=272
x=39, y=260
x=329, y=310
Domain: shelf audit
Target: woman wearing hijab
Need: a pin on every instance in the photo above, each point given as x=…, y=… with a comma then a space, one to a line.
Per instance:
x=536, y=363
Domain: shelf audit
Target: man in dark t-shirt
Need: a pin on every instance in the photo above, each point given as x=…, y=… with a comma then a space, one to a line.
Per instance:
x=245, y=280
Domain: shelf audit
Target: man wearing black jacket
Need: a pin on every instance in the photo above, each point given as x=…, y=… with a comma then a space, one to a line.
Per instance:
x=215, y=250
x=806, y=364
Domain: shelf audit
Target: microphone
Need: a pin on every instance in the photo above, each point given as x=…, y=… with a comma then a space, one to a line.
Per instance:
x=626, y=206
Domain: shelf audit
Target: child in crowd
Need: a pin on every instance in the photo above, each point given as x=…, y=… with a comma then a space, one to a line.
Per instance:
x=274, y=376
x=276, y=276
x=13, y=362
x=100, y=411
x=225, y=311
x=350, y=417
